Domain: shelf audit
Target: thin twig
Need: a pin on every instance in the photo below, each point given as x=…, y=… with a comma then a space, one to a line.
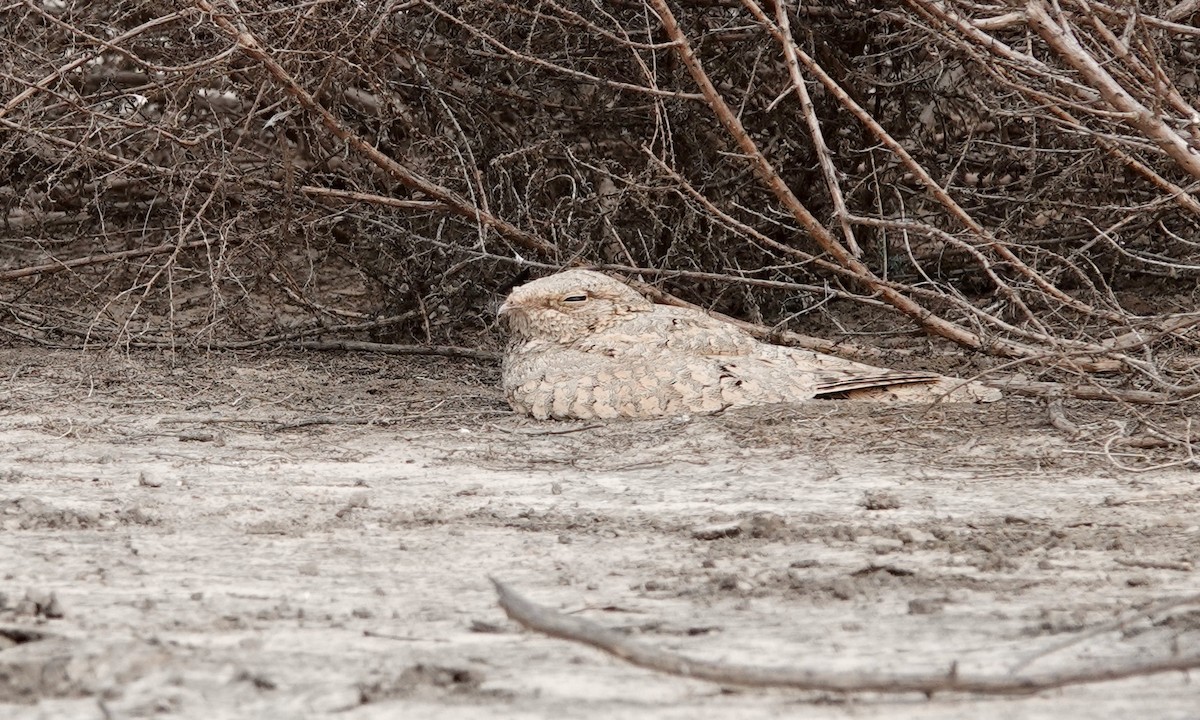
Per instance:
x=56, y=267
x=1119, y=624
x=733, y=125
x=1087, y=392
x=389, y=349
x=461, y=205
x=1149, y=122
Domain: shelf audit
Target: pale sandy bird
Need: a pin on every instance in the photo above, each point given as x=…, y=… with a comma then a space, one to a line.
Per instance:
x=587, y=346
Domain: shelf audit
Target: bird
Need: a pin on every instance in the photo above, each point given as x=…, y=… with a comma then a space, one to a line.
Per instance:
x=586, y=346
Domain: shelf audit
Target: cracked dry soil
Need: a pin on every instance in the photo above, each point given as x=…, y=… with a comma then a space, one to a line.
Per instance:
x=309, y=535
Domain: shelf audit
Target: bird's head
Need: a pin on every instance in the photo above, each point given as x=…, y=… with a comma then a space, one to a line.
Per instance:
x=570, y=305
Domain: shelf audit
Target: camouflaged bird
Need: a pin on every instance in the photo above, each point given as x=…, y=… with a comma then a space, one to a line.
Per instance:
x=586, y=346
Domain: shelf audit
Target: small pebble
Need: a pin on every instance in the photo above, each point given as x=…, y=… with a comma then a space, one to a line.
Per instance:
x=54, y=608
x=842, y=589
x=924, y=606
x=717, y=531
x=884, y=545
x=197, y=436
x=146, y=480
x=879, y=500
x=483, y=626
x=912, y=536
x=39, y=598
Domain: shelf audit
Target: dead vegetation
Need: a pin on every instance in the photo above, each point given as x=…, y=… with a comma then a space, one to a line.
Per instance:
x=1016, y=179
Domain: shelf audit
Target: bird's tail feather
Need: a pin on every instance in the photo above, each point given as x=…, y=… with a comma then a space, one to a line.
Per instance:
x=881, y=380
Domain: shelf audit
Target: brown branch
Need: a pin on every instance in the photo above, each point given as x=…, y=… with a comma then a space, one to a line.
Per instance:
x=1183, y=10
x=538, y=62
x=1178, y=194
x=906, y=305
x=1029, y=64
x=1138, y=116
x=290, y=339
x=410, y=179
x=100, y=335
x=781, y=28
x=1088, y=392
x=86, y=57
x=907, y=226
x=356, y=196
x=944, y=198
x=164, y=171
x=56, y=267
x=575, y=629
x=389, y=349
x=1088, y=364
x=1159, y=85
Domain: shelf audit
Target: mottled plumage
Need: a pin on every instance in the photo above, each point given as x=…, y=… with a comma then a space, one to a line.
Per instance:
x=587, y=346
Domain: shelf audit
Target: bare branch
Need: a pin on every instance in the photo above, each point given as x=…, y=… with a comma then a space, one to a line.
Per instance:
x=1138, y=115
x=575, y=629
x=249, y=45
x=824, y=239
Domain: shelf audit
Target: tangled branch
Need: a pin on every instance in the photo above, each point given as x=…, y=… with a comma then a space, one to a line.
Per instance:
x=1020, y=181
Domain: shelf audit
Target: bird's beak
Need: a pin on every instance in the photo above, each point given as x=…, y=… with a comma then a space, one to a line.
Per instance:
x=512, y=315
x=508, y=310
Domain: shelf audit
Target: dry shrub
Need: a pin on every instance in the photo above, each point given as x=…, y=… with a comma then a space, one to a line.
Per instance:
x=1017, y=179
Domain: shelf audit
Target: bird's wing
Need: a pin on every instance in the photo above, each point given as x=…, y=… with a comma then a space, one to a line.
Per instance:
x=640, y=381
x=681, y=331
x=753, y=371
x=844, y=378
x=831, y=376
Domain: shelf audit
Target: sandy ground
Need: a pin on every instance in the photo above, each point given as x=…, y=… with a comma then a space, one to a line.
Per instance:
x=301, y=536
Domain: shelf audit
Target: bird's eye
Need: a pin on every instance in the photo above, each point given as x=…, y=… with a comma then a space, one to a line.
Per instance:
x=575, y=298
